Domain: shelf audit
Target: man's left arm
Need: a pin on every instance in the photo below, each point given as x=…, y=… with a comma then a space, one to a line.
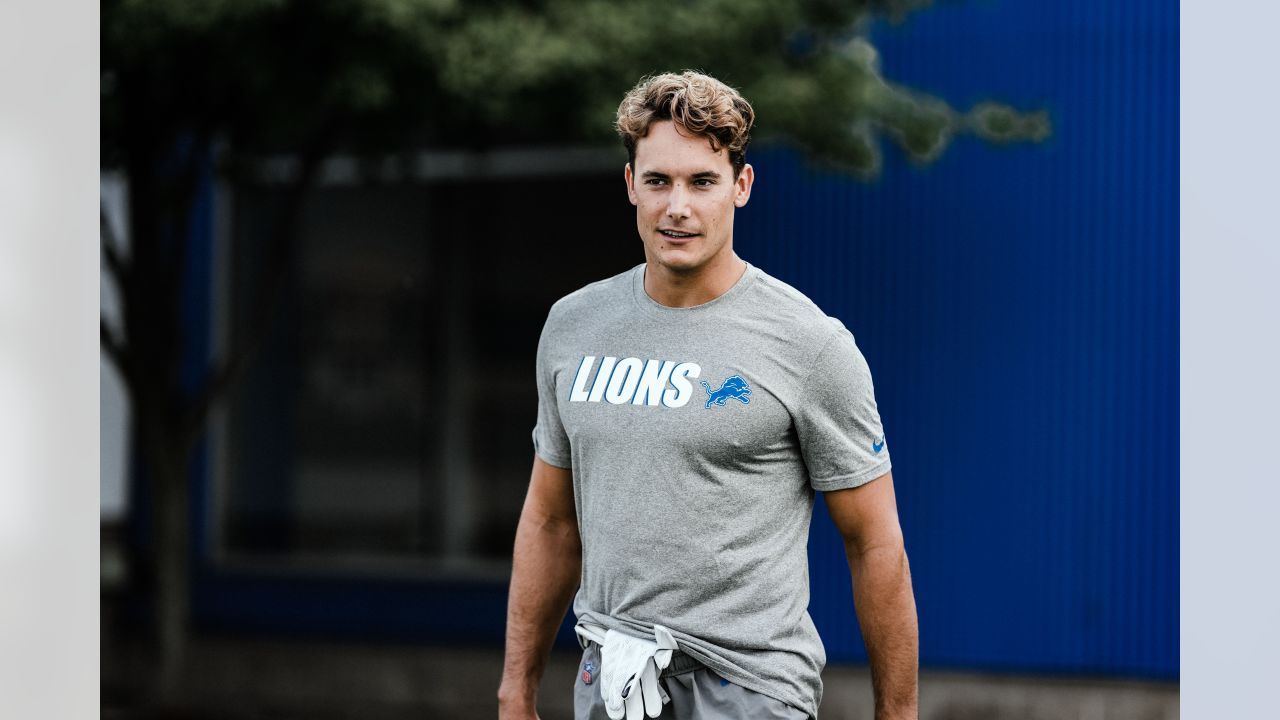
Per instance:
x=867, y=518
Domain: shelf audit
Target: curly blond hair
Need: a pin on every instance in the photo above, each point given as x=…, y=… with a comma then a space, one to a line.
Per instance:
x=698, y=103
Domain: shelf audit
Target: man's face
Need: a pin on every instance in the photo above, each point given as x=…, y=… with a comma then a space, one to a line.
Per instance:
x=685, y=195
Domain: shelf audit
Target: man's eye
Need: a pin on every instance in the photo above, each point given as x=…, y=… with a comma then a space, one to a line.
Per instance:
x=703, y=182
x=654, y=181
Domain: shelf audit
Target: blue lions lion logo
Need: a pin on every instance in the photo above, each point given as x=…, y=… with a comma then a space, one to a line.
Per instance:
x=735, y=388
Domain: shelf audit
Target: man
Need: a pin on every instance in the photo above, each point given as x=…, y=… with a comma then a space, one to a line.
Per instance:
x=688, y=410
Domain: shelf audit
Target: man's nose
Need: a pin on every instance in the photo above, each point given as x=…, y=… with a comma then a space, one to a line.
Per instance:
x=678, y=202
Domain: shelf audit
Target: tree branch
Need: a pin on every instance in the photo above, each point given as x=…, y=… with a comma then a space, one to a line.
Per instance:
x=122, y=272
x=111, y=249
x=117, y=353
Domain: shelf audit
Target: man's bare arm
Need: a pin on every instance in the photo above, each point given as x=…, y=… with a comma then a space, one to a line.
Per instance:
x=867, y=518
x=546, y=570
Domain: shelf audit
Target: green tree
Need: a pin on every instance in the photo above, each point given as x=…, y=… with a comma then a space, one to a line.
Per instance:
x=184, y=81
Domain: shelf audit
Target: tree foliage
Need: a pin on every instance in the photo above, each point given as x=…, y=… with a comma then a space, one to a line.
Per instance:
x=274, y=74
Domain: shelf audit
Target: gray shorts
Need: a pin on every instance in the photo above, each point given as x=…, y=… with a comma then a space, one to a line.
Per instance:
x=697, y=693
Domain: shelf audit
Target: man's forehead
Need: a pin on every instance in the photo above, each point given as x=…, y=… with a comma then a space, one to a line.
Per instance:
x=671, y=150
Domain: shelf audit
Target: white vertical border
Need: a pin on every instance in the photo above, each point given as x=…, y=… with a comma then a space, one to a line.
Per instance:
x=49, y=359
x=1230, y=384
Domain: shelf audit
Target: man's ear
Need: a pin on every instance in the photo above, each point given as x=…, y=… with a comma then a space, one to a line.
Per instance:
x=742, y=186
x=631, y=185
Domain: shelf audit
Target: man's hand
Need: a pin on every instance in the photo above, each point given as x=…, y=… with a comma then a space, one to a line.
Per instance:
x=546, y=568
x=867, y=518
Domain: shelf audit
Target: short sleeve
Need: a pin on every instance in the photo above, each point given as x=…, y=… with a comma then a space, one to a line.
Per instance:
x=837, y=422
x=550, y=441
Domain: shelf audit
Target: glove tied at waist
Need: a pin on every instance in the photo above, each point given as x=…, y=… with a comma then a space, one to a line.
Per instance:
x=629, y=669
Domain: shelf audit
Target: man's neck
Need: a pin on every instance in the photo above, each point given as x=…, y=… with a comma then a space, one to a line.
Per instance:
x=682, y=290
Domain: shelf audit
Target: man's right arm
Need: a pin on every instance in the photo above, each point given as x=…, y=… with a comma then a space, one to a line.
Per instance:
x=546, y=570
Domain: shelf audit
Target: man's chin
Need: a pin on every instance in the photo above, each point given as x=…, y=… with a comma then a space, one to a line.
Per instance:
x=681, y=263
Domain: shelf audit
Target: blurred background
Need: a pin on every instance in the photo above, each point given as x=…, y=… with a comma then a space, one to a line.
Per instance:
x=331, y=232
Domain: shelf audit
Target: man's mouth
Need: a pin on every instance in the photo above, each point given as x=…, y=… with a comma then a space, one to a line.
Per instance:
x=677, y=234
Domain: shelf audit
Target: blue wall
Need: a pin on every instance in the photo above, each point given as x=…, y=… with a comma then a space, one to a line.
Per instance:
x=1019, y=310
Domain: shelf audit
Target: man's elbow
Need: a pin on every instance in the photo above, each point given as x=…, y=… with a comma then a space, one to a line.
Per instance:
x=886, y=541
x=559, y=530
x=881, y=563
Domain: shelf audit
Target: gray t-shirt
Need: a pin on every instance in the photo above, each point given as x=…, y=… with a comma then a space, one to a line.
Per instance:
x=697, y=437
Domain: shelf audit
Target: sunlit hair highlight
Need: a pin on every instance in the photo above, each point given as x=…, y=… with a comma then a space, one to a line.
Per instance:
x=698, y=103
